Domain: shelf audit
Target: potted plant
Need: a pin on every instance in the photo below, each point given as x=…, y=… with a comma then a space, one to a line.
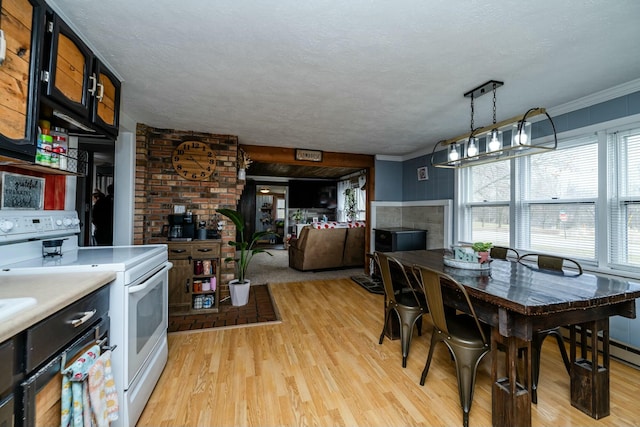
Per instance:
x=482, y=249
x=243, y=163
x=245, y=250
x=350, y=204
x=297, y=216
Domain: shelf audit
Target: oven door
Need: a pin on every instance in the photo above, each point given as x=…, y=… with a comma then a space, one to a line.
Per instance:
x=147, y=318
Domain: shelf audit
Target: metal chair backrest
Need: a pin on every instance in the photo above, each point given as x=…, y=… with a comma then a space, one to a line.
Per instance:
x=502, y=252
x=552, y=263
x=385, y=271
x=385, y=263
x=430, y=280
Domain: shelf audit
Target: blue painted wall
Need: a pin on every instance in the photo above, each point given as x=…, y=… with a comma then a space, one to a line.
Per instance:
x=389, y=182
x=440, y=185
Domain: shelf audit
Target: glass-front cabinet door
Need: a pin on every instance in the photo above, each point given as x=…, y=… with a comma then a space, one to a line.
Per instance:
x=21, y=24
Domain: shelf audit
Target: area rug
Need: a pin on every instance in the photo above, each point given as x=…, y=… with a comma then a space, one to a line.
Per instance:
x=370, y=284
x=259, y=309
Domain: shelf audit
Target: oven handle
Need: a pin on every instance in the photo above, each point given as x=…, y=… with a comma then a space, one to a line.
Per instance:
x=144, y=285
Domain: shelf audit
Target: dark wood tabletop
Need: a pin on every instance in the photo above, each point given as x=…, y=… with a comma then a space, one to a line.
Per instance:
x=517, y=300
x=526, y=290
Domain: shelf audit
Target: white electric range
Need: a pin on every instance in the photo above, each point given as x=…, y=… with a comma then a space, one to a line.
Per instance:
x=46, y=242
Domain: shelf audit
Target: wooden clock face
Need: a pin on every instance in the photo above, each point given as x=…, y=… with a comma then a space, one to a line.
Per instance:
x=194, y=160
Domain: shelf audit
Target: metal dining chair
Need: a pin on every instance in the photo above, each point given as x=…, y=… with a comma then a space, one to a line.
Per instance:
x=503, y=252
x=403, y=300
x=555, y=264
x=463, y=334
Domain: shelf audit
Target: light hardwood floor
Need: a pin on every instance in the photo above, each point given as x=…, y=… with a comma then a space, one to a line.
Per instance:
x=323, y=366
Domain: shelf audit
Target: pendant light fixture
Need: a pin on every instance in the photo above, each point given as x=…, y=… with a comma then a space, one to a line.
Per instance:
x=486, y=144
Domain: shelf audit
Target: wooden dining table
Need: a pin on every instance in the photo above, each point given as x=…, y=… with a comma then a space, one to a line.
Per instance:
x=517, y=300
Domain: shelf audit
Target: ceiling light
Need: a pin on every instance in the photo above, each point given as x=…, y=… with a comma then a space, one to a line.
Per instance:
x=485, y=144
x=264, y=190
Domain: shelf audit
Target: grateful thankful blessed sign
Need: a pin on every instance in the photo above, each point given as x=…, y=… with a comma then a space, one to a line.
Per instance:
x=22, y=191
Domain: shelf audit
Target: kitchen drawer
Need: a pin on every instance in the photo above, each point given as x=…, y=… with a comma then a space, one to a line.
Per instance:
x=179, y=250
x=7, y=360
x=60, y=325
x=205, y=249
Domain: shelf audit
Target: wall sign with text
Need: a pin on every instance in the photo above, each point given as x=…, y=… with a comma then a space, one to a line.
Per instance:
x=22, y=191
x=309, y=155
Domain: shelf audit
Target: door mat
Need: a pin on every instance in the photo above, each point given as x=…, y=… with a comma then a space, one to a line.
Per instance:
x=260, y=309
x=370, y=284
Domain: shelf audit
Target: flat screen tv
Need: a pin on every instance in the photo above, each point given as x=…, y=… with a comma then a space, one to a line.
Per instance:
x=305, y=194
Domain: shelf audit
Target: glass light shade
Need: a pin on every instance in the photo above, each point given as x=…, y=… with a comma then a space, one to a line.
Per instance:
x=454, y=152
x=472, y=147
x=523, y=137
x=494, y=140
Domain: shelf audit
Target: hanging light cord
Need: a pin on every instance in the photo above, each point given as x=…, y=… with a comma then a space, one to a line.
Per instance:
x=472, y=111
x=494, y=103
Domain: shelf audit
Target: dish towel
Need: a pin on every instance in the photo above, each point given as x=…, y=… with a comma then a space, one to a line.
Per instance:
x=74, y=396
x=103, y=397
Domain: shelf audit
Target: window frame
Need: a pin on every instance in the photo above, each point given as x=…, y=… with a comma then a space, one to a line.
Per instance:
x=602, y=202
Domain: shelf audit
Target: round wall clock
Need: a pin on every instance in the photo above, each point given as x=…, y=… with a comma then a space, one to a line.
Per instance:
x=194, y=160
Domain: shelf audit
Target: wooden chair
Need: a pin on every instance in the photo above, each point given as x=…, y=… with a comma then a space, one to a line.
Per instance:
x=462, y=334
x=557, y=265
x=404, y=301
x=502, y=252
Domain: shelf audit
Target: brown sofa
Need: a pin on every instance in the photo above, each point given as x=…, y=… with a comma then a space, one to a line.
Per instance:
x=331, y=248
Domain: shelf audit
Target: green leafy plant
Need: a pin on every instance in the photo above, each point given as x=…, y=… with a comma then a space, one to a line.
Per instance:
x=245, y=250
x=481, y=246
x=297, y=215
x=350, y=204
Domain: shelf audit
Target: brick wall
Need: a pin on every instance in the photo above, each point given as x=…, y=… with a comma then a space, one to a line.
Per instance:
x=158, y=188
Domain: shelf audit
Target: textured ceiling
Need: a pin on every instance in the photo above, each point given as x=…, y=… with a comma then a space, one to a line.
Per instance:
x=371, y=77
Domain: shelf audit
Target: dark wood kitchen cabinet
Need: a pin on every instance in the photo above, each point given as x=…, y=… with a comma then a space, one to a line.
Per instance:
x=189, y=275
x=21, y=23
x=75, y=80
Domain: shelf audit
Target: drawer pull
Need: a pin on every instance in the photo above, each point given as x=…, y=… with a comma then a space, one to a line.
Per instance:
x=204, y=250
x=178, y=251
x=86, y=316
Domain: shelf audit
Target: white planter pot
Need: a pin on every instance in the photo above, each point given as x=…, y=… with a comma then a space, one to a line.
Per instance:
x=239, y=292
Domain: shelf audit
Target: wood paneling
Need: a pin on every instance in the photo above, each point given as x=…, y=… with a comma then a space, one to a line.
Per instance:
x=281, y=162
x=14, y=73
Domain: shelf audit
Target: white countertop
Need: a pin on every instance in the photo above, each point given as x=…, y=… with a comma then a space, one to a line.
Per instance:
x=53, y=292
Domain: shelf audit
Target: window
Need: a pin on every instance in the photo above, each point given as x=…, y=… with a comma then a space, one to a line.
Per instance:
x=360, y=199
x=624, y=203
x=546, y=203
x=568, y=202
x=280, y=209
x=488, y=207
x=559, y=191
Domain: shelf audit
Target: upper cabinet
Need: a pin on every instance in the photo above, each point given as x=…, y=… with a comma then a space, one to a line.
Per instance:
x=106, y=105
x=21, y=24
x=75, y=80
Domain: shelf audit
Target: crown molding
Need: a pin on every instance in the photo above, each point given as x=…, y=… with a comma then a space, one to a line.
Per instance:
x=596, y=98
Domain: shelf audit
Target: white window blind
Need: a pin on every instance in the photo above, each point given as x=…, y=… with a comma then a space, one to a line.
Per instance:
x=488, y=206
x=557, y=209
x=624, y=201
